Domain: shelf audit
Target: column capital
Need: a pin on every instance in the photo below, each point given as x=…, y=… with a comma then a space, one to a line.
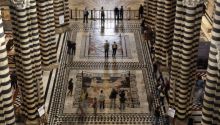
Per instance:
x=192, y=3
x=20, y=4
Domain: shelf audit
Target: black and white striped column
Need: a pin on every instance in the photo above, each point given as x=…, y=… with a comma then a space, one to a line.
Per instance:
x=211, y=101
x=6, y=104
x=184, y=55
x=47, y=32
x=28, y=59
x=150, y=12
x=61, y=9
x=164, y=28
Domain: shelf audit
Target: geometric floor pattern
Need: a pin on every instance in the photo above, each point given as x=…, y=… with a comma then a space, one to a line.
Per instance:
x=104, y=74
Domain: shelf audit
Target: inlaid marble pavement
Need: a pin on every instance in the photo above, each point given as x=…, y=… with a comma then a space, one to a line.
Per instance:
x=63, y=109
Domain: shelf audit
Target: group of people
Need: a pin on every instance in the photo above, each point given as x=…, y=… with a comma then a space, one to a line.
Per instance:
x=113, y=96
x=114, y=49
x=118, y=14
x=71, y=47
x=99, y=101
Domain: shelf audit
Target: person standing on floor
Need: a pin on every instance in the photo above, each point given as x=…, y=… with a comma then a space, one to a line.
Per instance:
x=112, y=97
x=101, y=100
x=85, y=99
x=106, y=47
x=114, y=49
x=157, y=115
x=116, y=12
x=73, y=48
x=68, y=46
x=121, y=13
x=85, y=15
x=81, y=103
x=122, y=100
x=141, y=11
x=102, y=15
x=94, y=106
x=13, y=77
x=70, y=87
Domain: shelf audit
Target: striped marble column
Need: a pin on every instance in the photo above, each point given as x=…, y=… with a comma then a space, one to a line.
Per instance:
x=28, y=58
x=6, y=104
x=47, y=32
x=210, y=111
x=164, y=29
x=184, y=55
x=61, y=8
x=151, y=12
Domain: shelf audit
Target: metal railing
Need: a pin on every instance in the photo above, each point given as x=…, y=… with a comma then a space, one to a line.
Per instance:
x=109, y=14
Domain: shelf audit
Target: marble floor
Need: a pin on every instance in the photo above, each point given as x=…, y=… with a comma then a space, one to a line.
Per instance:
x=90, y=70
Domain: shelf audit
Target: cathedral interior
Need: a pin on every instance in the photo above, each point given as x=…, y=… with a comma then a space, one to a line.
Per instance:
x=113, y=62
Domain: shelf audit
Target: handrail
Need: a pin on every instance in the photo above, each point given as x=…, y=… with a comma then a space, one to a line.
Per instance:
x=208, y=18
x=109, y=14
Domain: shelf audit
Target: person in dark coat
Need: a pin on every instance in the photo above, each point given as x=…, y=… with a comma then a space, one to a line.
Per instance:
x=157, y=115
x=70, y=87
x=102, y=15
x=68, y=46
x=14, y=80
x=116, y=13
x=121, y=13
x=141, y=11
x=73, y=48
x=112, y=97
x=122, y=100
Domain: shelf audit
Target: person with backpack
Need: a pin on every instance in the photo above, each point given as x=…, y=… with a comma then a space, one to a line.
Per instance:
x=114, y=49
x=112, y=97
x=101, y=100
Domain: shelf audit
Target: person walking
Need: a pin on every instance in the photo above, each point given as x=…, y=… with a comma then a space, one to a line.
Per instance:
x=141, y=11
x=94, y=106
x=106, y=47
x=157, y=115
x=112, y=97
x=114, y=49
x=122, y=100
x=102, y=15
x=70, y=87
x=121, y=13
x=101, y=100
x=85, y=15
x=116, y=12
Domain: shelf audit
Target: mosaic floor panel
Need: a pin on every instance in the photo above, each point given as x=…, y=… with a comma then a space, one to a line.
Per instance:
x=95, y=80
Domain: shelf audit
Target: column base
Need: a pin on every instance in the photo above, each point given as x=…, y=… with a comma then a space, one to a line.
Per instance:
x=62, y=29
x=33, y=122
x=50, y=67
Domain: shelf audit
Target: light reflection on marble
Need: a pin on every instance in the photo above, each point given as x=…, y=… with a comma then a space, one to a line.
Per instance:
x=142, y=96
x=96, y=45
